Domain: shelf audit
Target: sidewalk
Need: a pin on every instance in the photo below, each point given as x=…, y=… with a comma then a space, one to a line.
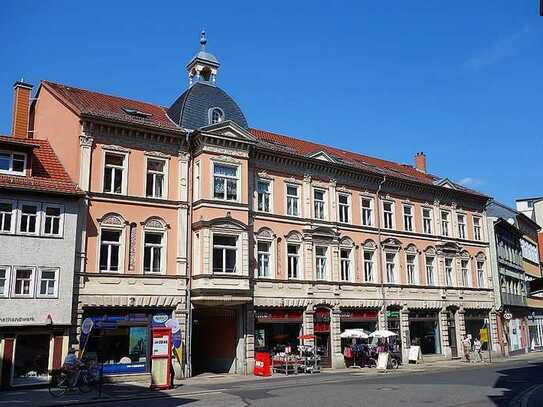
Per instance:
x=40, y=397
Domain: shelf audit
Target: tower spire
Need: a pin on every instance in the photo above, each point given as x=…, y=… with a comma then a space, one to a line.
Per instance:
x=203, y=66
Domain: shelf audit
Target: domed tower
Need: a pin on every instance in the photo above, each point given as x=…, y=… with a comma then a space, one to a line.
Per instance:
x=204, y=103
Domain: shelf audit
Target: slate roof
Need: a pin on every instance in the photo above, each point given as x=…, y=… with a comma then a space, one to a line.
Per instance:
x=47, y=175
x=191, y=109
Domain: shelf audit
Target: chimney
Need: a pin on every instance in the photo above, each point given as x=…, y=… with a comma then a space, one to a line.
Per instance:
x=420, y=162
x=21, y=109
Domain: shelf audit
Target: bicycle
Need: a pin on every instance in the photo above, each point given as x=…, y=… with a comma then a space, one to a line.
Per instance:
x=62, y=380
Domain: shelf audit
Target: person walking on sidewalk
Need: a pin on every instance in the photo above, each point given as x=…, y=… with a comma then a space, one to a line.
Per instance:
x=477, y=347
x=466, y=345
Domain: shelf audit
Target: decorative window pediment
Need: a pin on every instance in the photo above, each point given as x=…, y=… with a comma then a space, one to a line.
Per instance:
x=294, y=236
x=154, y=222
x=391, y=244
x=370, y=245
x=465, y=255
x=411, y=249
x=323, y=156
x=112, y=219
x=265, y=234
x=480, y=256
x=347, y=242
x=430, y=251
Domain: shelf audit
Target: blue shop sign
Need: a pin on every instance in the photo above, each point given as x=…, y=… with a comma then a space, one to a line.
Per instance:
x=121, y=368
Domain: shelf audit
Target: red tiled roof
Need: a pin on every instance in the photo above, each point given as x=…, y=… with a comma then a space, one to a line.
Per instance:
x=47, y=175
x=111, y=107
x=307, y=148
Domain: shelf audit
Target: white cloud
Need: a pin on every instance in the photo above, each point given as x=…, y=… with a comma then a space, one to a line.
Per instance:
x=471, y=182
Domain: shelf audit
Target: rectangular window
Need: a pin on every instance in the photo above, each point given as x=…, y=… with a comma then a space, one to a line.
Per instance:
x=411, y=269
x=477, y=228
x=481, y=274
x=345, y=255
x=445, y=223
x=263, y=189
x=264, y=254
x=292, y=200
x=367, y=211
x=461, y=226
x=319, y=203
x=12, y=163
x=464, y=265
x=344, y=207
x=156, y=178
x=52, y=220
x=449, y=272
x=430, y=278
x=224, y=254
x=114, y=173
x=153, y=252
x=24, y=282
x=408, y=218
x=28, y=222
x=427, y=220
x=225, y=182
x=7, y=216
x=320, y=258
x=388, y=215
x=48, y=283
x=4, y=281
x=368, y=266
x=110, y=250
x=293, y=258
x=390, y=260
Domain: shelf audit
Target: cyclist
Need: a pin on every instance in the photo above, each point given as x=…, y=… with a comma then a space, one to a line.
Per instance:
x=71, y=365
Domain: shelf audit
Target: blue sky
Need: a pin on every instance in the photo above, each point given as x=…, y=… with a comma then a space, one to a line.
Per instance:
x=459, y=80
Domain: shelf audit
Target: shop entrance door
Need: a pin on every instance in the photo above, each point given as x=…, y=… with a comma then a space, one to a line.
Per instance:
x=451, y=328
x=322, y=332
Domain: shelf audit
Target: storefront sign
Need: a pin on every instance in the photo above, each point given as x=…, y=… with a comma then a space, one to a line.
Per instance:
x=483, y=335
x=393, y=314
x=160, y=346
x=263, y=316
x=358, y=316
x=414, y=353
x=321, y=320
x=507, y=316
x=160, y=318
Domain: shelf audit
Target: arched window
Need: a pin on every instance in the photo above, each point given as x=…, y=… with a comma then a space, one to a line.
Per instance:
x=154, y=246
x=369, y=248
x=411, y=262
x=265, y=250
x=216, y=115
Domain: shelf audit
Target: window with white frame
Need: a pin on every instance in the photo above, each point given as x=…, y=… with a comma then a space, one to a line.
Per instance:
x=293, y=200
x=114, y=172
x=48, y=282
x=481, y=273
x=110, y=250
x=477, y=233
x=464, y=266
x=427, y=220
x=445, y=223
x=449, y=271
x=320, y=262
x=12, y=163
x=263, y=190
x=225, y=182
x=344, y=207
x=390, y=263
x=293, y=258
x=461, y=225
x=7, y=216
x=4, y=280
x=367, y=211
x=430, y=275
x=411, y=260
x=52, y=220
x=264, y=259
x=29, y=218
x=23, y=282
x=156, y=181
x=408, y=218
x=224, y=253
x=345, y=258
x=388, y=215
x=153, y=252
x=368, y=266
x=319, y=203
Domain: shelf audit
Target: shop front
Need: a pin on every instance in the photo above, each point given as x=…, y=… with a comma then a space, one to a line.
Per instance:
x=321, y=327
x=517, y=330
x=535, y=328
x=393, y=325
x=276, y=329
x=424, y=331
x=357, y=319
x=475, y=320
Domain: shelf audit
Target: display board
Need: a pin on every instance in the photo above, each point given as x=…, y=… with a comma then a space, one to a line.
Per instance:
x=382, y=360
x=414, y=354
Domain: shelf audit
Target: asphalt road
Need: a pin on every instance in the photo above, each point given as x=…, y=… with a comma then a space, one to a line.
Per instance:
x=501, y=385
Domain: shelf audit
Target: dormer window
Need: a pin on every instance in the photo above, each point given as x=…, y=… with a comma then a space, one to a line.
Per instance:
x=216, y=115
x=12, y=163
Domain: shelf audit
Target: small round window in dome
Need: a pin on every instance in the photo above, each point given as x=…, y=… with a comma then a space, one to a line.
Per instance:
x=216, y=115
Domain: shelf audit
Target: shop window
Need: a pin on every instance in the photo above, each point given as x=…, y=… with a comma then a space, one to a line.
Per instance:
x=263, y=195
x=23, y=282
x=29, y=218
x=264, y=255
x=424, y=332
x=156, y=180
x=449, y=271
x=153, y=252
x=12, y=163
x=344, y=207
x=7, y=216
x=31, y=359
x=52, y=220
x=461, y=226
x=345, y=255
x=320, y=260
x=110, y=250
x=408, y=218
x=48, y=283
x=411, y=269
x=390, y=261
x=368, y=266
x=319, y=203
x=427, y=220
x=224, y=254
x=388, y=215
x=430, y=275
x=114, y=169
x=293, y=257
x=225, y=182
x=4, y=280
x=367, y=211
x=464, y=266
x=293, y=200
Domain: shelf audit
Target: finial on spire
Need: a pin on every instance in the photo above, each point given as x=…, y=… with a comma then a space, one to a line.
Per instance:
x=203, y=39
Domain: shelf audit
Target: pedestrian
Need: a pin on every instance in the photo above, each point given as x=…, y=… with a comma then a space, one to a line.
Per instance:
x=477, y=346
x=466, y=344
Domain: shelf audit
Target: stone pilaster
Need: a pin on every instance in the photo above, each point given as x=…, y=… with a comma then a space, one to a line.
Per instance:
x=308, y=324
x=444, y=333
x=306, y=187
x=250, y=339
x=335, y=340
x=85, y=149
x=333, y=201
x=404, y=334
x=381, y=318
x=460, y=324
x=495, y=343
x=308, y=273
